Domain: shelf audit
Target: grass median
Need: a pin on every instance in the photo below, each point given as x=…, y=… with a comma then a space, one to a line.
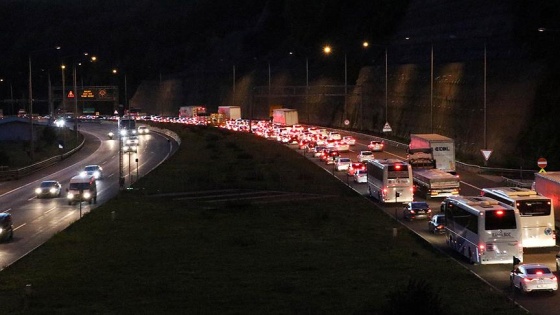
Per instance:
x=233, y=223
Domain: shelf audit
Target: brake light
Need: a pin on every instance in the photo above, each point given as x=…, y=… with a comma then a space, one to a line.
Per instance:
x=500, y=212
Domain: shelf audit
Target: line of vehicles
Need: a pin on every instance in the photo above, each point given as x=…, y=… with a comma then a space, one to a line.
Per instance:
x=493, y=228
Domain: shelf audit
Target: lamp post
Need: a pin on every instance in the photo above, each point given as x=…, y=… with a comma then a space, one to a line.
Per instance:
x=327, y=50
x=31, y=136
x=116, y=71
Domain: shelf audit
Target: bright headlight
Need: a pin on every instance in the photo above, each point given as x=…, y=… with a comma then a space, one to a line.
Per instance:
x=52, y=190
x=70, y=196
x=37, y=190
x=87, y=195
x=96, y=174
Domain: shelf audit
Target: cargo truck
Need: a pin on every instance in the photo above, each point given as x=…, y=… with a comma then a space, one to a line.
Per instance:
x=191, y=111
x=230, y=112
x=548, y=185
x=443, y=149
x=429, y=181
x=285, y=117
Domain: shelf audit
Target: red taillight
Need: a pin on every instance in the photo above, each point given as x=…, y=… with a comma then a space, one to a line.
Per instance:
x=439, y=227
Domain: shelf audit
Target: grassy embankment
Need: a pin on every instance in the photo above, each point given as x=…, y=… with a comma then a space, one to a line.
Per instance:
x=322, y=250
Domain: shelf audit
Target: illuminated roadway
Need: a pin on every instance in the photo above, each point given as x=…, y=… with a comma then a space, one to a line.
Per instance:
x=471, y=184
x=36, y=220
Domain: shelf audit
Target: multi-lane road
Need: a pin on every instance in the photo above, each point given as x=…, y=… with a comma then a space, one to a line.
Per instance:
x=37, y=220
x=496, y=276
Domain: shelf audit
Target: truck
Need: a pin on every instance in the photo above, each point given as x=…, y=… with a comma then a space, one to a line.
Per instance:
x=429, y=181
x=443, y=149
x=230, y=112
x=82, y=188
x=548, y=185
x=285, y=117
x=191, y=111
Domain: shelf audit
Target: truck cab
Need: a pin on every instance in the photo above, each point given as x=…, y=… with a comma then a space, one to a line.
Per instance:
x=82, y=188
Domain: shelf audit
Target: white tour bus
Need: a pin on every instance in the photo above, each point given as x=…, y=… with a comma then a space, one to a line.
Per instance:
x=482, y=229
x=536, y=214
x=390, y=180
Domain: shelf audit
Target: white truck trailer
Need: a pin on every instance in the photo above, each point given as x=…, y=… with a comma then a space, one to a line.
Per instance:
x=191, y=111
x=230, y=112
x=548, y=185
x=285, y=117
x=443, y=149
x=429, y=181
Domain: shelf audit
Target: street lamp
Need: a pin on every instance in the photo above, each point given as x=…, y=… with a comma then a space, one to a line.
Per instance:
x=327, y=50
x=116, y=71
x=31, y=138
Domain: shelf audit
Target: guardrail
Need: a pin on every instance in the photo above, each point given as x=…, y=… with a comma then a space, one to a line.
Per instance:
x=511, y=177
x=24, y=171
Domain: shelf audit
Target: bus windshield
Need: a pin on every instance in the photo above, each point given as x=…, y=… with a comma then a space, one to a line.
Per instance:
x=533, y=207
x=500, y=220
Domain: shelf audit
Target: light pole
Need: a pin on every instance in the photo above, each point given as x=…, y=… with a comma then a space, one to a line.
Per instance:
x=116, y=71
x=31, y=136
x=327, y=50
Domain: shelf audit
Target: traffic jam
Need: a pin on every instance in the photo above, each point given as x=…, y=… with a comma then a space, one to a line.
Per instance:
x=420, y=187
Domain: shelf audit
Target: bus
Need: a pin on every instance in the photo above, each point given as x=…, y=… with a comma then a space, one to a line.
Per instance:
x=390, y=180
x=535, y=211
x=127, y=125
x=482, y=229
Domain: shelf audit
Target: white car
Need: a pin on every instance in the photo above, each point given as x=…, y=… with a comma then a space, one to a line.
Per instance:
x=349, y=139
x=376, y=145
x=335, y=136
x=93, y=170
x=533, y=277
x=365, y=156
x=360, y=176
x=132, y=140
x=342, y=164
x=142, y=130
x=49, y=189
x=342, y=146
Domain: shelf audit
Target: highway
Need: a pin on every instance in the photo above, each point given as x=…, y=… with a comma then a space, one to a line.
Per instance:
x=37, y=220
x=496, y=276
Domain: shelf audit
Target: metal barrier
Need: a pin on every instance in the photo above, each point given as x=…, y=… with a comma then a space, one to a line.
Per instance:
x=24, y=171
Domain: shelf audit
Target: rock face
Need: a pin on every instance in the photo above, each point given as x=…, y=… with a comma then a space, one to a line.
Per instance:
x=463, y=69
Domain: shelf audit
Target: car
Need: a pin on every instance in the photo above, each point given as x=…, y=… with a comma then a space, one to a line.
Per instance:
x=6, y=227
x=354, y=167
x=48, y=189
x=533, y=277
x=349, y=139
x=360, y=176
x=132, y=140
x=376, y=145
x=142, y=130
x=342, y=146
x=132, y=148
x=365, y=156
x=318, y=151
x=93, y=170
x=329, y=155
x=335, y=136
x=417, y=210
x=436, y=225
x=342, y=163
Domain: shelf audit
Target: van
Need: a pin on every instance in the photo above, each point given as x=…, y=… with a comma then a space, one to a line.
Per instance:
x=82, y=188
